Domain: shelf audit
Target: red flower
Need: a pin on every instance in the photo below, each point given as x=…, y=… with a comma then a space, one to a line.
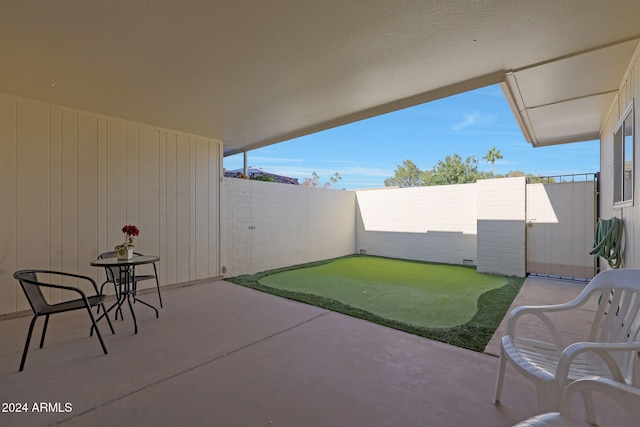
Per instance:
x=130, y=230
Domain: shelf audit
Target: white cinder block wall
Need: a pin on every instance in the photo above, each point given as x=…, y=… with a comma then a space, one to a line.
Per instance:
x=501, y=226
x=422, y=223
x=268, y=225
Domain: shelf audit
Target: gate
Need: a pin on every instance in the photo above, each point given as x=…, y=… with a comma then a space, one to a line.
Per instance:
x=561, y=219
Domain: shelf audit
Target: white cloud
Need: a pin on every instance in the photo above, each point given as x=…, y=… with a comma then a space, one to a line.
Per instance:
x=258, y=159
x=468, y=120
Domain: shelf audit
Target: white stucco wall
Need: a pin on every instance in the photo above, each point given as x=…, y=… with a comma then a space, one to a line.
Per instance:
x=501, y=226
x=269, y=225
x=628, y=93
x=422, y=223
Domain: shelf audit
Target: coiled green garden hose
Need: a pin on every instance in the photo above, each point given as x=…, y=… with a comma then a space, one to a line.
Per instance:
x=608, y=241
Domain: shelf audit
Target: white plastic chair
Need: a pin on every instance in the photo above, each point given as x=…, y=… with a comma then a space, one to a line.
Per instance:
x=609, y=351
x=627, y=397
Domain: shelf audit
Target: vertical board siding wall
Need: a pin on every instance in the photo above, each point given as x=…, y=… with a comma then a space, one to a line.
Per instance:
x=268, y=225
x=71, y=180
x=628, y=93
x=422, y=223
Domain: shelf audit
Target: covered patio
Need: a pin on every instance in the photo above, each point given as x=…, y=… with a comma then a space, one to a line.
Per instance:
x=244, y=358
x=117, y=113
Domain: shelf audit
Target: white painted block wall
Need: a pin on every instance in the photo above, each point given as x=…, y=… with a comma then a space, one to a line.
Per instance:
x=269, y=225
x=501, y=226
x=422, y=223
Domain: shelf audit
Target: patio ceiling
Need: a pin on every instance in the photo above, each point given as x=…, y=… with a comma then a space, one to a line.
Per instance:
x=254, y=73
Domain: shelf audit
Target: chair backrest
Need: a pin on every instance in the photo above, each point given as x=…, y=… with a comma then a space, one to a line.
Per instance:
x=111, y=272
x=617, y=319
x=28, y=281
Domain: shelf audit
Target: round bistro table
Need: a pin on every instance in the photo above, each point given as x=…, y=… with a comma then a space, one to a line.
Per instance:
x=126, y=281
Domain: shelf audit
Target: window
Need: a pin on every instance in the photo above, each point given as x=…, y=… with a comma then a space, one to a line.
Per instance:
x=623, y=160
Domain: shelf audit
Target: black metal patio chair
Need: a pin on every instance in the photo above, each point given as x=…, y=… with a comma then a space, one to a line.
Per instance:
x=142, y=277
x=32, y=287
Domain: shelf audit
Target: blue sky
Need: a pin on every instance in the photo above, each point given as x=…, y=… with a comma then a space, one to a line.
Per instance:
x=365, y=153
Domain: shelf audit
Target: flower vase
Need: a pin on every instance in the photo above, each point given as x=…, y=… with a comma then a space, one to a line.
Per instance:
x=125, y=253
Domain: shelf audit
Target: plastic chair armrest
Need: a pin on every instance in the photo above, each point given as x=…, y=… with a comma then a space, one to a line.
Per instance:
x=603, y=350
x=540, y=313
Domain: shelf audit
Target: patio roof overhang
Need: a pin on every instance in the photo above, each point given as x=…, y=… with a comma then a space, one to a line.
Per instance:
x=255, y=73
x=567, y=100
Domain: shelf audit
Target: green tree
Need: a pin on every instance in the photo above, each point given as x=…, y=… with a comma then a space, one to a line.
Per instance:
x=534, y=179
x=454, y=171
x=334, y=179
x=492, y=156
x=266, y=178
x=531, y=177
x=314, y=181
x=406, y=175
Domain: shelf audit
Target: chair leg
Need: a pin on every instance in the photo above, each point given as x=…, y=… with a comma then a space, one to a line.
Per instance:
x=105, y=314
x=587, y=398
x=95, y=325
x=159, y=294
x=108, y=320
x=117, y=295
x=26, y=345
x=44, y=330
x=101, y=289
x=500, y=379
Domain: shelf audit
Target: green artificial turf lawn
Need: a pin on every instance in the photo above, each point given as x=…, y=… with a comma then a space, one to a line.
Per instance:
x=454, y=304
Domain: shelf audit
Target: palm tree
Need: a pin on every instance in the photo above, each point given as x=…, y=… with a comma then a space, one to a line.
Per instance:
x=492, y=156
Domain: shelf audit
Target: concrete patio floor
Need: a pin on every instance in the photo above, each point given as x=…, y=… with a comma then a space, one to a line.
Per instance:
x=224, y=355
